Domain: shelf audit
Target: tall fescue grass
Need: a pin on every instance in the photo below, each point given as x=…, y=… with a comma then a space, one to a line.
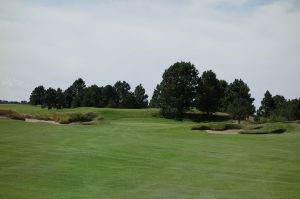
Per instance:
x=217, y=126
x=62, y=118
x=12, y=114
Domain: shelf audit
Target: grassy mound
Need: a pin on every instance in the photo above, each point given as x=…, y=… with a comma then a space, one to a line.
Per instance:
x=274, y=131
x=255, y=129
x=67, y=118
x=60, y=117
x=12, y=114
x=267, y=128
x=264, y=129
x=79, y=117
x=217, y=126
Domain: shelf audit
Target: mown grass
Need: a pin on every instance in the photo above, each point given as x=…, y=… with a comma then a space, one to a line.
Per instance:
x=134, y=155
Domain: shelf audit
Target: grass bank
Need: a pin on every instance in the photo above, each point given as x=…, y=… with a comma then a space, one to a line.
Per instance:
x=61, y=117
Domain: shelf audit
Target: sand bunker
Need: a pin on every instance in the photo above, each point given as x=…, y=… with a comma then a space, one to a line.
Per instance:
x=226, y=132
x=41, y=121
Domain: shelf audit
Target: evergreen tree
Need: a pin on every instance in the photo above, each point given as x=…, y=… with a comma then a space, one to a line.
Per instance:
x=178, y=89
x=60, y=99
x=140, y=97
x=129, y=101
x=75, y=93
x=93, y=97
x=155, y=101
x=267, y=105
x=50, y=98
x=68, y=95
x=208, y=92
x=222, y=102
x=110, y=96
x=239, y=100
x=279, y=100
x=78, y=88
x=123, y=91
x=37, y=96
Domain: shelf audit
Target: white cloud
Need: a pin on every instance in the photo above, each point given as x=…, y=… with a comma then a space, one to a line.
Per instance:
x=136, y=41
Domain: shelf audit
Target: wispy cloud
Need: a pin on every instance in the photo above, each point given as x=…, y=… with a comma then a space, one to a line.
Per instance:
x=53, y=42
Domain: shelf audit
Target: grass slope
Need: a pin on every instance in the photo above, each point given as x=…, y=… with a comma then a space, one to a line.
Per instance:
x=133, y=155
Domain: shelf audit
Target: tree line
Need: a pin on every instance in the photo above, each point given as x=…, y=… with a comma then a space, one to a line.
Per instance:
x=12, y=102
x=181, y=89
x=277, y=108
x=79, y=95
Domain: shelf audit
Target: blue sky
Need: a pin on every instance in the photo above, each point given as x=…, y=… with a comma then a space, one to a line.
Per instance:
x=54, y=42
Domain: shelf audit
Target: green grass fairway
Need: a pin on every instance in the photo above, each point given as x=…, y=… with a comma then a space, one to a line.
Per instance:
x=131, y=154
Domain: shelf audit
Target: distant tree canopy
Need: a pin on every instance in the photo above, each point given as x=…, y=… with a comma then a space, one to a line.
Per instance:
x=13, y=102
x=78, y=95
x=180, y=90
x=277, y=108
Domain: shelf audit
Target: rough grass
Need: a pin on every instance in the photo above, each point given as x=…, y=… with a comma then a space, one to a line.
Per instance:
x=217, y=126
x=246, y=128
x=134, y=155
x=267, y=128
x=67, y=118
x=12, y=114
x=60, y=117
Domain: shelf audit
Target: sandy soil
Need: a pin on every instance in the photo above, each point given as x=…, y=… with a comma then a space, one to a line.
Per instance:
x=40, y=121
x=228, y=132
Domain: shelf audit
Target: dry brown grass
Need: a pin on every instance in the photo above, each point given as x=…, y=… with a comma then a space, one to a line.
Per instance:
x=12, y=114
